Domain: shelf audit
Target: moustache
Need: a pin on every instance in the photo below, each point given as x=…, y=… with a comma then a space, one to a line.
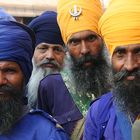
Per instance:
x=87, y=58
x=10, y=91
x=123, y=74
x=52, y=62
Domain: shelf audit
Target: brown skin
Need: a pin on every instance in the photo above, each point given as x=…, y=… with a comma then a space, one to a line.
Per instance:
x=83, y=43
x=10, y=73
x=52, y=52
x=126, y=57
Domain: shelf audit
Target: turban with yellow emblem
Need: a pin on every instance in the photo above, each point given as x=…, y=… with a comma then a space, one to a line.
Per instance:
x=78, y=15
x=120, y=24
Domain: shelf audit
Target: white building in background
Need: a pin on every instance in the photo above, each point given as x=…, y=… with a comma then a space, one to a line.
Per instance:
x=25, y=10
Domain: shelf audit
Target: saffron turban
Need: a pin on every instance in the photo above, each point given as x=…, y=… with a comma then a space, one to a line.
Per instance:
x=89, y=14
x=46, y=28
x=16, y=44
x=120, y=24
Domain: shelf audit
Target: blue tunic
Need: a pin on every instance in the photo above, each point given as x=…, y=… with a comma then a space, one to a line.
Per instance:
x=116, y=127
x=54, y=98
x=36, y=125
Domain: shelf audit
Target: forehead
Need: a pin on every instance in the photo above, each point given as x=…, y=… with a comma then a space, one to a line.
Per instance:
x=9, y=64
x=82, y=34
x=129, y=47
x=48, y=45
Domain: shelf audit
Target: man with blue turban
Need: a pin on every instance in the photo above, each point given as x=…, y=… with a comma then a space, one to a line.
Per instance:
x=5, y=16
x=49, y=52
x=16, y=50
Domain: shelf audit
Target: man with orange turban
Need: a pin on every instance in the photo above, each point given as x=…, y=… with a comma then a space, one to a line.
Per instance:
x=112, y=116
x=88, y=71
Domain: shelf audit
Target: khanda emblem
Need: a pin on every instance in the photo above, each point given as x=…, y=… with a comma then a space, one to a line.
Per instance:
x=75, y=12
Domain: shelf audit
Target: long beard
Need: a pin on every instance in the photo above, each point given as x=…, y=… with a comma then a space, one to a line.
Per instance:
x=127, y=93
x=96, y=79
x=11, y=109
x=38, y=74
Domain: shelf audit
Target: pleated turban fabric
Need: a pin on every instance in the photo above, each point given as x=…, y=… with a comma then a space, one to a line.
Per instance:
x=120, y=24
x=88, y=11
x=46, y=28
x=16, y=44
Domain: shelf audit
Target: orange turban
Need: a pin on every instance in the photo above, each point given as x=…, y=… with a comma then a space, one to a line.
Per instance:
x=120, y=24
x=89, y=14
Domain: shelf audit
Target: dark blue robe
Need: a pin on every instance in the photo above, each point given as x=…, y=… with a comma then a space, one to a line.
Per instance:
x=36, y=125
x=54, y=98
x=115, y=125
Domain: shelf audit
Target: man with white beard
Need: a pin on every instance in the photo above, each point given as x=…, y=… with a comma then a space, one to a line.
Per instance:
x=49, y=52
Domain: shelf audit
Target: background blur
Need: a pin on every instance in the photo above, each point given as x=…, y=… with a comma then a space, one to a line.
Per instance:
x=25, y=10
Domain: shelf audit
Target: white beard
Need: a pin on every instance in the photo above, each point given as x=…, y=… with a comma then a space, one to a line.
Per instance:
x=38, y=74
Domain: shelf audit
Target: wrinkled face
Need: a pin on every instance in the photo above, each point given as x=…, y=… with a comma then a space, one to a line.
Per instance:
x=49, y=56
x=126, y=69
x=10, y=74
x=127, y=58
x=85, y=44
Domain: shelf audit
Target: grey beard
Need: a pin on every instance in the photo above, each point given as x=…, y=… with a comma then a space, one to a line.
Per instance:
x=127, y=95
x=38, y=74
x=10, y=110
x=95, y=80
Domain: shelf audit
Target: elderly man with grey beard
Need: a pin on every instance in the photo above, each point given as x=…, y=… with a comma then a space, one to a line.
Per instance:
x=112, y=116
x=49, y=52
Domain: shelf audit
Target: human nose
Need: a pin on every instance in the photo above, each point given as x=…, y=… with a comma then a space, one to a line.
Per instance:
x=84, y=48
x=3, y=79
x=131, y=63
x=50, y=54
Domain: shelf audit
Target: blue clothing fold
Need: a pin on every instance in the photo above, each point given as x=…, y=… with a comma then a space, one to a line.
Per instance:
x=36, y=125
x=54, y=98
x=111, y=128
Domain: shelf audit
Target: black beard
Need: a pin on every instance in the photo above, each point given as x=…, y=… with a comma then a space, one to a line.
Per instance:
x=127, y=93
x=95, y=79
x=11, y=108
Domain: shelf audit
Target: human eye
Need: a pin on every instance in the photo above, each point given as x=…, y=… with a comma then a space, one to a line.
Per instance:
x=137, y=51
x=73, y=42
x=42, y=49
x=119, y=53
x=91, y=38
x=58, y=49
x=10, y=70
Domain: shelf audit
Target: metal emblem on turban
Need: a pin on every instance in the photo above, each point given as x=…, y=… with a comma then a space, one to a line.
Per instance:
x=75, y=12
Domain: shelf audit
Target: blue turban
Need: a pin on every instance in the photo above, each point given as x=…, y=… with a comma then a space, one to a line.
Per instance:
x=46, y=28
x=16, y=44
x=5, y=16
